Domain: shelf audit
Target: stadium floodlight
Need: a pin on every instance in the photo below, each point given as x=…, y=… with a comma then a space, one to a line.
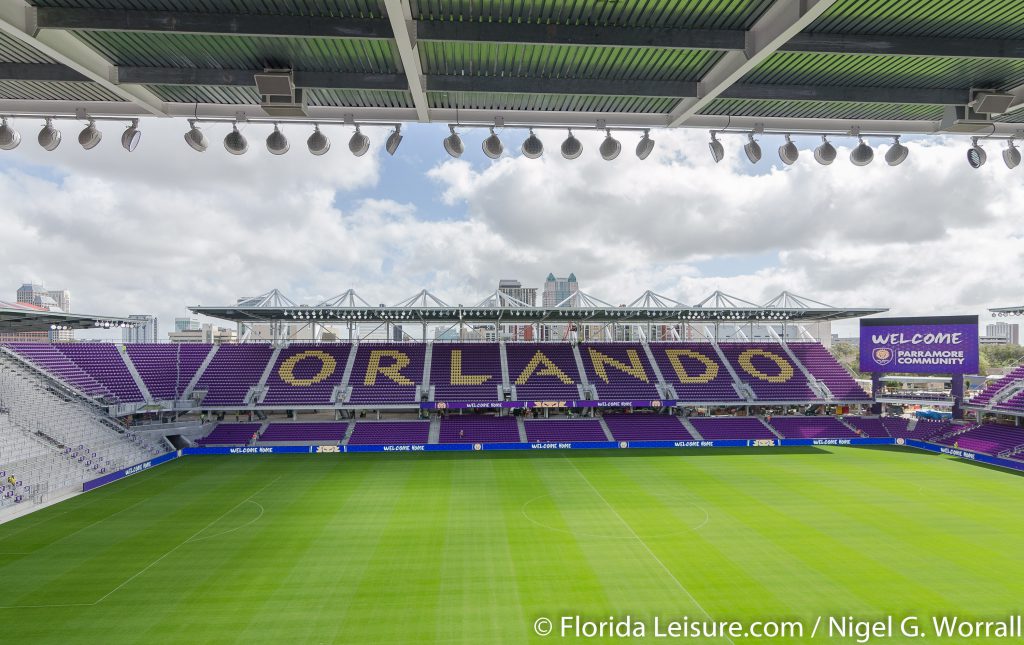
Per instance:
x=752, y=149
x=453, y=143
x=533, y=147
x=645, y=146
x=318, y=143
x=235, y=142
x=195, y=138
x=825, y=153
x=492, y=146
x=976, y=156
x=897, y=152
x=49, y=136
x=394, y=140
x=716, y=148
x=862, y=154
x=9, y=137
x=571, y=147
x=90, y=136
x=131, y=136
x=277, y=143
x=359, y=143
x=610, y=147
x=1011, y=155
x=788, y=152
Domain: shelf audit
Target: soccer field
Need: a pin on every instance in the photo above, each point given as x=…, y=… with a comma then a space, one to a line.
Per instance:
x=474, y=548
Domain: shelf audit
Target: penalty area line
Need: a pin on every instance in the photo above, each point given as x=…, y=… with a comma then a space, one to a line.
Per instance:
x=151, y=564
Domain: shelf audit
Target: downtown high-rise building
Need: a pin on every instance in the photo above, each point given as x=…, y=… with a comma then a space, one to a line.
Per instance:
x=561, y=291
x=31, y=293
x=1003, y=333
x=144, y=330
x=527, y=296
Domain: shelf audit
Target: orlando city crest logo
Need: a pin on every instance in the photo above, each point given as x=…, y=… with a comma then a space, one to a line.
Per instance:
x=882, y=355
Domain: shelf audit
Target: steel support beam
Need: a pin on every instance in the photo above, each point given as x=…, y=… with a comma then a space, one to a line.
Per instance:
x=244, y=78
x=525, y=85
x=18, y=20
x=584, y=35
x=404, y=28
x=904, y=45
x=39, y=72
x=191, y=22
x=851, y=94
x=783, y=20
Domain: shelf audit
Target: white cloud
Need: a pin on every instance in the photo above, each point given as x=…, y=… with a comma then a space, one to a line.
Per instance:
x=164, y=227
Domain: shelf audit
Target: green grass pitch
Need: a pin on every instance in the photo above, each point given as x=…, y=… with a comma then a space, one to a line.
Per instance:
x=473, y=548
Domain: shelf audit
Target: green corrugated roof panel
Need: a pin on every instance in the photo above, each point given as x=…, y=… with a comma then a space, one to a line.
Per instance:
x=824, y=110
x=939, y=18
x=13, y=50
x=693, y=14
x=51, y=91
x=550, y=102
x=359, y=8
x=888, y=71
x=247, y=96
x=550, y=61
x=243, y=52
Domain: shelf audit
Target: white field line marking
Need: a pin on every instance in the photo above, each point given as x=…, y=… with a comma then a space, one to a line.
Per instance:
x=644, y=545
x=151, y=564
x=241, y=526
x=526, y=504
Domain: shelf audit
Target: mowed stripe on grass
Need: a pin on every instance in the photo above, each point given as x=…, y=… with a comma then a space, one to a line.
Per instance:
x=472, y=548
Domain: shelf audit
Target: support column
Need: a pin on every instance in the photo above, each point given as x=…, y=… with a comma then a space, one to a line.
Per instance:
x=876, y=385
x=958, y=395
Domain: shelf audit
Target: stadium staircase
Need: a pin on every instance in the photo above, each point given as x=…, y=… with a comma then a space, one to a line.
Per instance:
x=954, y=433
x=521, y=425
x=743, y=391
x=139, y=383
x=1005, y=394
x=428, y=358
x=852, y=429
x=344, y=391
x=506, y=382
x=348, y=432
x=259, y=433
x=187, y=394
x=765, y=423
x=587, y=391
x=260, y=389
x=818, y=387
x=435, y=429
x=665, y=390
x=604, y=427
x=689, y=428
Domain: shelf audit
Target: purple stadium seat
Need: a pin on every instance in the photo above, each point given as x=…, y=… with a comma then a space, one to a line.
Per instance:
x=694, y=371
x=564, y=430
x=309, y=432
x=768, y=371
x=543, y=371
x=230, y=434
x=373, y=433
x=473, y=428
x=306, y=374
x=619, y=371
x=650, y=427
x=233, y=370
x=387, y=372
x=167, y=369
x=722, y=428
x=811, y=428
x=824, y=367
x=466, y=371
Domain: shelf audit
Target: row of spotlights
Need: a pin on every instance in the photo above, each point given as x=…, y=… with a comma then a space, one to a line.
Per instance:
x=824, y=154
x=49, y=137
x=533, y=147
x=278, y=144
x=976, y=156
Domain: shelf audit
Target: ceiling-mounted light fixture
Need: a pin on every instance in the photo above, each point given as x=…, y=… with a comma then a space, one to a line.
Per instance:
x=453, y=143
x=862, y=154
x=277, y=143
x=533, y=147
x=359, y=143
x=394, y=140
x=195, y=138
x=610, y=147
x=716, y=148
x=788, y=152
x=572, y=147
x=752, y=149
x=1011, y=155
x=90, y=136
x=9, y=137
x=825, y=153
x=131, y=136
x=235, y=142
x=49, y=136
x=645, y=146
x=318, y=143
x=492, y=146
x=976, y=156
x=897, y=152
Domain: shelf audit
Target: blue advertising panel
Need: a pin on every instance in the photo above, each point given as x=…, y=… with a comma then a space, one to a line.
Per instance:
x=931, y=345
x=128, y=472
x=247, y=450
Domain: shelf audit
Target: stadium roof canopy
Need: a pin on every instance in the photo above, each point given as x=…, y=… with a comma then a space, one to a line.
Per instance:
x=17, y=317
x=883, y=66
x=425, y=308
